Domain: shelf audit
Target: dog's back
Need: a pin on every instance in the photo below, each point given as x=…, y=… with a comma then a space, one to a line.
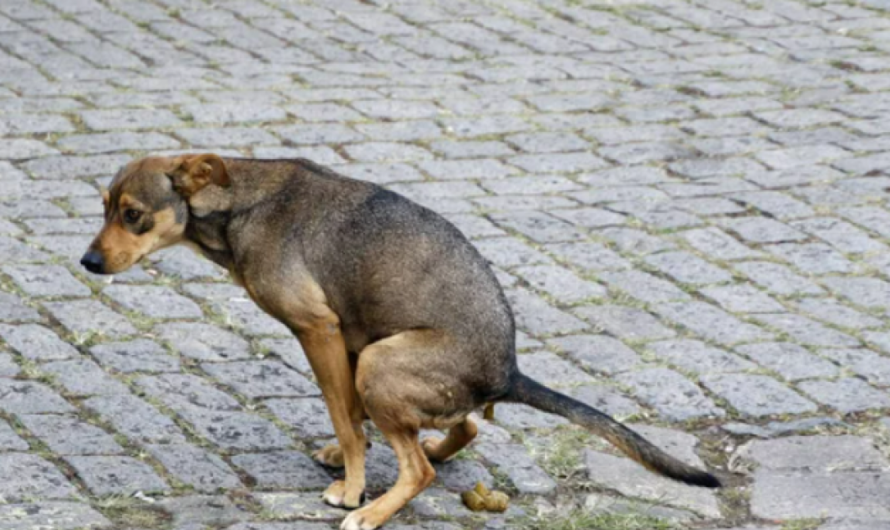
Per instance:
x=386, y=264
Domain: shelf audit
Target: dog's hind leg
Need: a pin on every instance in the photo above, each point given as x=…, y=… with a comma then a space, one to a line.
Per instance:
x=407, y=382
x=441, y=449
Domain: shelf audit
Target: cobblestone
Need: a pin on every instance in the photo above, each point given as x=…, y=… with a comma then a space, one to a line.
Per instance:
x=846, y=395
x=203, y=471
x=108, y=475
x=60, y=515
x=82, y=377
x=69, y=436
x=31, y=477
x=136, y=356
x=36, y=342
x=283, y=469
x=41, y=280
x=695, y=186
x=671, y=394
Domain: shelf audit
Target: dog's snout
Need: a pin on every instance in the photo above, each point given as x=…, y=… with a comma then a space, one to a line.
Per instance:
x=93, y=262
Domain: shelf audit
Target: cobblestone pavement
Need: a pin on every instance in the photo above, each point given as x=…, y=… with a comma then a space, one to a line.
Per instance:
x=686, y=201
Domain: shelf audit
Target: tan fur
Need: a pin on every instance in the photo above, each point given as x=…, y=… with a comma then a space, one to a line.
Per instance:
x=121, y=249
x=459, y=436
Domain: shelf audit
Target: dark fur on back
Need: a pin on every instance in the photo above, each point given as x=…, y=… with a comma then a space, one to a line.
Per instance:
x=386, y=264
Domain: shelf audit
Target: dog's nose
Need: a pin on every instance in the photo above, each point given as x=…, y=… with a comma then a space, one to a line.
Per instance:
x=92, y=261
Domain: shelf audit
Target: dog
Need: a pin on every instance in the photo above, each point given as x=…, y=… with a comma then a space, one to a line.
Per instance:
x=402, y=320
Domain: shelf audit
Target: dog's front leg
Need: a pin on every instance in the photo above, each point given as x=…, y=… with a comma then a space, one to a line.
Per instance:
x=326, y=351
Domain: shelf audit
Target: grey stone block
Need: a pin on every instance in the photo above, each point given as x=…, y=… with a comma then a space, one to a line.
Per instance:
x=591, y=257
x=26, y=397
x=790, y=495
x=299, y=504
x=551, y=370
x=83, y=377
x=241, y=313
x=757, y=395
x=201, y=470
x=514, y=461
x=59, y=515
x=256, y=379
x=36, y=342
x=833, y=312
x=717, y=244
x=13, y=309
x=711, y=323
x=136, y=356
x=283, y=469
x=806, y=331
x=671, y=394
x=761, y=230
x=32, y=478
x=516, y=417
x=103, y=120
x=321, y=133
x=813, y=258
x=697, y=357
x=135, y=419
x=598, y=353
x=178, y=389
x=229, y=137
x=687, y=268
x=203, y=342
x=606, y=399
x=111, y=142
x=67, y=435
x=777, y=279
x=538, y=226
x=46, y=280
x=815, y=453
x=197, y=511
x=537, y=317
x=233, y=112
x=122, y=475
x=102, y=320
x=626, y=323
x=846, y=395
x=789, y=360
x=742, y=298
x=183, y=263
x=632, y=480
x=308, y=417
x=9, y=440
x=153, y=301
x=643, y=286
x=233, y=430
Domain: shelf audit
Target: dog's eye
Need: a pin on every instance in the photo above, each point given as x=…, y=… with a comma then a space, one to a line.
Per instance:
x=131, y=216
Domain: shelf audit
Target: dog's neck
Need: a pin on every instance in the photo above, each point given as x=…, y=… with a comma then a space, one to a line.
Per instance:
x=212, y=209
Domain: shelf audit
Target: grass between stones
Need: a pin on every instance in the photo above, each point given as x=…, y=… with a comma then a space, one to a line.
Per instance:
x=129, y=512
x=582, y=520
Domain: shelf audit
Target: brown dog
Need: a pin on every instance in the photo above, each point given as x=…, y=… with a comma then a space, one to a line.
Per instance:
x=401, y=319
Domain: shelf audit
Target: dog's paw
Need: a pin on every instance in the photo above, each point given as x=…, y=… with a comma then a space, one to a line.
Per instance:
x=337, y=495
x=330, y=456
x=431, y=448
x=363, y=519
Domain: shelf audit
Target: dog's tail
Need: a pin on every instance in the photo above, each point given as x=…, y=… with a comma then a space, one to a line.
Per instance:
x=530, y=392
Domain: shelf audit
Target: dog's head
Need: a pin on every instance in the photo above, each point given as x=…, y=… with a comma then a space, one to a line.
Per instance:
x=147, y=208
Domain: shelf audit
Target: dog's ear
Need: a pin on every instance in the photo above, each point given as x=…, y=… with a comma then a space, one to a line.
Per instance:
x=191, y=173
